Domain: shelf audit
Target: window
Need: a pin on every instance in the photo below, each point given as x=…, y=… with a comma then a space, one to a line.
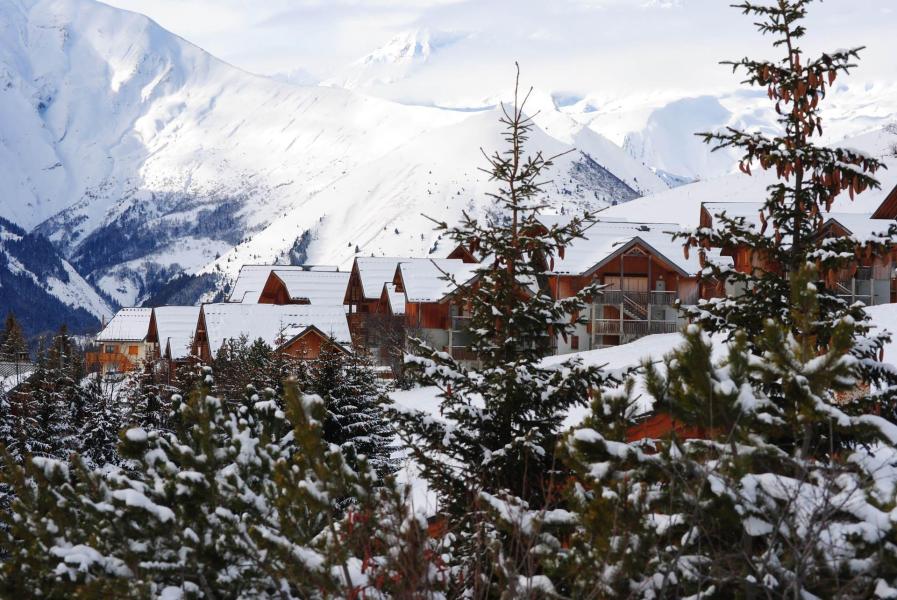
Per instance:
x=574, y=342
x=110, y=349
x=132, y=350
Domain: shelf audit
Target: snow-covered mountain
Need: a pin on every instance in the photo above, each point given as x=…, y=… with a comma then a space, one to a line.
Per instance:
x=683, y=204
x=144, y=159
x=659, y=129
x=394, y=61
x=42, y=288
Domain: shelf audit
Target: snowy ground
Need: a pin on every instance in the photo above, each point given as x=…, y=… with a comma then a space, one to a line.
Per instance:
x=617, y=359
x=9, y=383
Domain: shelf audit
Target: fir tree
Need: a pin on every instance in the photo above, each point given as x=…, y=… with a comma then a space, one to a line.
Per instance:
x=491, y=461
x=13, y=347
x=49, y=432
x=811, y=177
x=774, y=491
x=147, y=399
x=352, y=393
x=98, y=434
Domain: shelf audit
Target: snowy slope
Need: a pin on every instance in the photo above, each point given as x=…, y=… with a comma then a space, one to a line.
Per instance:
x=141, y=156
x=434, y=176
x=42, y=288
x=659, y=129
x=682, y=204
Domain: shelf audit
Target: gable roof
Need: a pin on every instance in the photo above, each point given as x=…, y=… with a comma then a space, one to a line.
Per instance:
x=314, y=287
x=311, y=329
x=374, y=271
x=395, y=299
x=128, y=325
x=174, y=328
x=862, y=226
x=425, y=280
x=607, y=238
x=273, y=323
x=252, y=278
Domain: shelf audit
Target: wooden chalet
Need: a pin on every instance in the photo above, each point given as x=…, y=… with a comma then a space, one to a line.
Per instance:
x=870, y=279
x=645, y=276
x=429, y=307
x=362, y=297
x=319, y=287
x=171, y=330
x=299, y=330
x=122, y=344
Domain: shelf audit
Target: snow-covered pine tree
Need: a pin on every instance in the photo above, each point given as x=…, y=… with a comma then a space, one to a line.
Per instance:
x=143, y=399
x=352, y=393
x=811, y=177
x=241, y=363
x=491, y=459
x=726, y=508
x=770, y=486
x=99, y=432
x=239, y=501
x=50, y=432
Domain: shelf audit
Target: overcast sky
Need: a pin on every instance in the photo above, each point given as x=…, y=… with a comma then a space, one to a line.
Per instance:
x=604, y=47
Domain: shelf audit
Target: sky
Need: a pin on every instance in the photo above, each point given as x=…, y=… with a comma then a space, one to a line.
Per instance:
x=605, y=48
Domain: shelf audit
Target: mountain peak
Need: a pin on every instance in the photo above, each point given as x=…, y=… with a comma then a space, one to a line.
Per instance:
x=404, y=53
x=405, y=47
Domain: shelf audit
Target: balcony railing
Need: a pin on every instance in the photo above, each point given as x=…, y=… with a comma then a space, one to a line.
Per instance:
x=633, y=327
x=641, y=298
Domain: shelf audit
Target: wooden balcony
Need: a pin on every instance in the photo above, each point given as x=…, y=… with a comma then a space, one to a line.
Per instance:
x=632, y=328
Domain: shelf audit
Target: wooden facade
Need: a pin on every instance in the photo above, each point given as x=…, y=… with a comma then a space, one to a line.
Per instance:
x=275, y=292
x=870, y=279
x=642, y=290
x=661, y=425
x=307, y=345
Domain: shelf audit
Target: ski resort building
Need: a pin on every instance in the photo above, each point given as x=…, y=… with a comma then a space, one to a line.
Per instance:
x=362, y=297
x=870, y=279
x=645, y=277
x=430, y=311
x=299, y=330
x=171, y=330
x=318, y=287
x=122, y=345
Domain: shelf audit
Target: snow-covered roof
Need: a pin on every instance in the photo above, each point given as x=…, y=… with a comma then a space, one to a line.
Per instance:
x=374, y=271
x=175, y=326
x=605, y=238
x=252, y=278
x=396, y=299
x=861, y=225
x=274, y=324
x=425, y=280
x=326, y=288
x=128, y=325
x=749, y=211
